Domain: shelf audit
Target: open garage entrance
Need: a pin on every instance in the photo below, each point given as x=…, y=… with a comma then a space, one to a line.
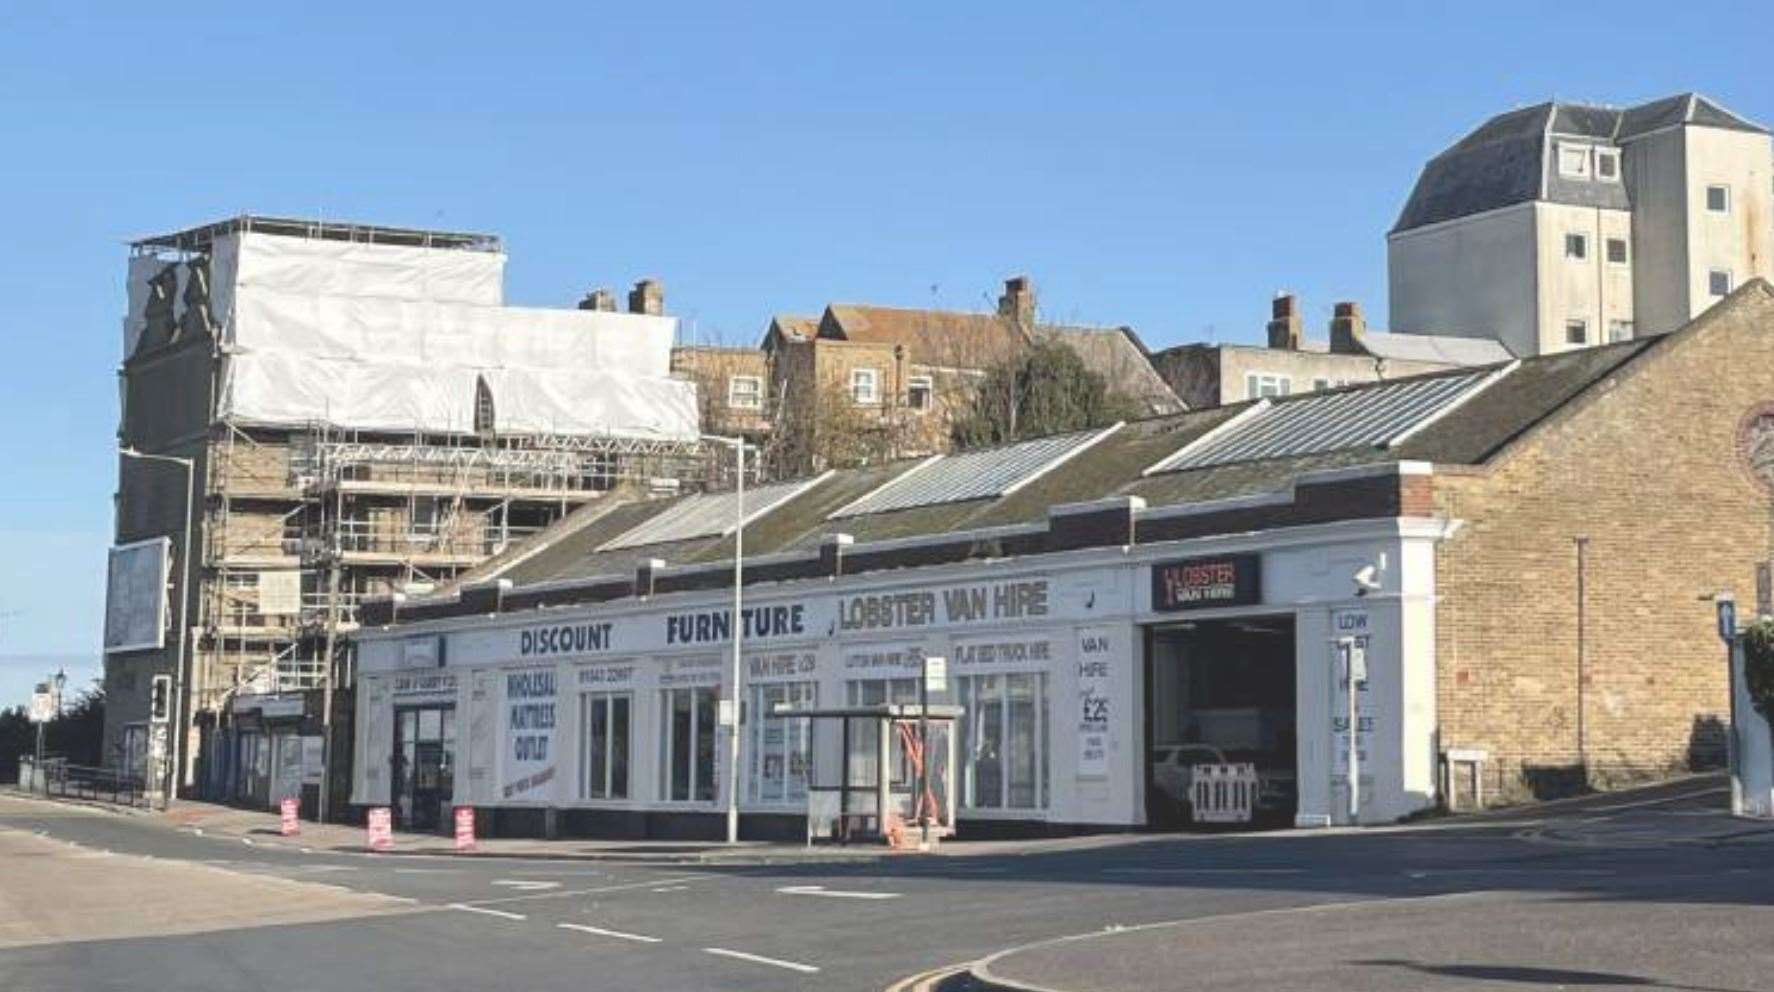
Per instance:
x=1220, y=692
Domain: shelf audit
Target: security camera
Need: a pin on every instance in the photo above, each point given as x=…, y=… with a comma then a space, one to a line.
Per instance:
x=1366, y=580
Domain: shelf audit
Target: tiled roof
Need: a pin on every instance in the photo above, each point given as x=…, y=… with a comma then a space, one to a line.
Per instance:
x=944, y=338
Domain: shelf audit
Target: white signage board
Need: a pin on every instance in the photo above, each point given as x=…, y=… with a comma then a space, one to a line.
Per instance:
x=1356, y=625
x=936, y=674
x=135, y=596
x=528, y=758
x=42, y=707
x=1096, y=694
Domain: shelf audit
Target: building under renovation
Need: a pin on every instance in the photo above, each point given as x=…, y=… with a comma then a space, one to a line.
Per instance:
x=360, y=413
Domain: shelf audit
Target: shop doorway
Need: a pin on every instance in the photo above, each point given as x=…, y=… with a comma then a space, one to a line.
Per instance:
x=424, y=766
x=1221, y=692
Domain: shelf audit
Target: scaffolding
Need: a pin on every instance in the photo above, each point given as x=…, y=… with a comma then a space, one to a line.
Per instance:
x=303, y=524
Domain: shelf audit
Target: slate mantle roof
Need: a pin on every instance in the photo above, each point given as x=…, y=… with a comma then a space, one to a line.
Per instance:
x=1508, y=159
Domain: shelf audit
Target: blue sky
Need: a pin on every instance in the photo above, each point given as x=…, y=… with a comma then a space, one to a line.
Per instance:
x=1163, y=167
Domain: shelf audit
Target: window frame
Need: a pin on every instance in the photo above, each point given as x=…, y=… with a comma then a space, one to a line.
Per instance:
x=1725, y=190
x=736, y=398
x=916, y=383
x=1625, y=251
x=1579, y=154
x=1619, y=330
x=693, y=768
x=1606, y=155
x=971, y=732
x=1577, y=245
x=873, y=378
x=606, y=700
x=1581, y=324
x=1712, y=278
x=1254, y=385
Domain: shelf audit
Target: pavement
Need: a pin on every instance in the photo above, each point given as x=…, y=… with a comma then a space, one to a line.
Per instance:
x=1658, y=889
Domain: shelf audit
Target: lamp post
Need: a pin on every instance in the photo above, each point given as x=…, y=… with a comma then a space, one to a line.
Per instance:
x=738, y=628
x=170, y=776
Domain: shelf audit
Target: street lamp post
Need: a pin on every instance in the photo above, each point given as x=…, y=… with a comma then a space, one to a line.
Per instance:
x=170, y=776
x=738, y=628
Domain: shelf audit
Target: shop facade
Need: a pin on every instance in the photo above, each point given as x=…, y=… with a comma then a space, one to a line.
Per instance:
x=1079, y=674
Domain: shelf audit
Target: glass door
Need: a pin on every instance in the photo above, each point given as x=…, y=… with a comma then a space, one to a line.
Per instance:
x=424, y=773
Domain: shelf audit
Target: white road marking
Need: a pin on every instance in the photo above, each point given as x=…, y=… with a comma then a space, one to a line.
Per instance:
x=526, y=884
x=805, y=969
x=623, y=887
x=502, y=914
x=820, y=890
x=427, y=871
x=199, y=830
x=248, y=841
x=672, y=888
x=601, y=932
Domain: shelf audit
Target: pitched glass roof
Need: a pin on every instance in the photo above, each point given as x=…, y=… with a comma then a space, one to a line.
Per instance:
x=708, y=514
x=971, y=475
x=1367, y=416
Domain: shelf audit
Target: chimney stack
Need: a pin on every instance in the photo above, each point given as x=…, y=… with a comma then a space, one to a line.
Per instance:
x=1018, y=301
x=1285, y=329
x=648, y=297
x=1347, y=330
x=599, y=299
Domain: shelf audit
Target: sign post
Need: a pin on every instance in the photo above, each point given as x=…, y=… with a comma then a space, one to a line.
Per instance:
x=381, y=829
x=464, y=829
x=935, y=679
x=289, y=824
x=42, y=711
x=1726, y=605
x=1352, y=656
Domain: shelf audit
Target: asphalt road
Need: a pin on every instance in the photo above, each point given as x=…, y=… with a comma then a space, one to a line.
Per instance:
x=102, y=901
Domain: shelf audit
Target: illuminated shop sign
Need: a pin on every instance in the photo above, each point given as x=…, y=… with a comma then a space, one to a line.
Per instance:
x=1204, y=583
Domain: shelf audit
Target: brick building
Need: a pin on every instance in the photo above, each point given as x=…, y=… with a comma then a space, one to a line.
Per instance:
x=1522, y=554
x=1204, y=375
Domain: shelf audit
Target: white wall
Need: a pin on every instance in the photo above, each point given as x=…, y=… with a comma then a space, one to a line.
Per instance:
x=1589, y=289
x=1471, y=277
x=1738, y=241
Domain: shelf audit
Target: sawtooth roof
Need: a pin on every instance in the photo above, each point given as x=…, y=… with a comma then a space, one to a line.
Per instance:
x=1471, y=433
x=1508, y=159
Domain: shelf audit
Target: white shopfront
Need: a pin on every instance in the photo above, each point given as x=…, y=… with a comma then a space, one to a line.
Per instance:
x=617, y=706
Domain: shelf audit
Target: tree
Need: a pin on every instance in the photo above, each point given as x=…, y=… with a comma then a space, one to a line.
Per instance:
x=1045, y=389
x=1758, y=665
x=77, y=734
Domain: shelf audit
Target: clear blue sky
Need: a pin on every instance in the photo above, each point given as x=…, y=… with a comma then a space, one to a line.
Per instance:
x=1167, y=168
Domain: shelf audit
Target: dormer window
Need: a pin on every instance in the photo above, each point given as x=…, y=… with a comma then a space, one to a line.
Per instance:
x=1607, y=164
x=1573, y=161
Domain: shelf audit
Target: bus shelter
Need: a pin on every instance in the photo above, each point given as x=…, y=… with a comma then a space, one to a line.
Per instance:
x=893, y=777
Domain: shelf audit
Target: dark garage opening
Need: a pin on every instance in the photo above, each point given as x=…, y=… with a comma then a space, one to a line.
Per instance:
x=1221, y=690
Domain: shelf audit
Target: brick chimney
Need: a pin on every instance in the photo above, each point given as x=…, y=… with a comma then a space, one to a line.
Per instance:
x=599, y=299
x=1018, y=301
x=1284, y=322
x=648, y=297
x=1347, y=329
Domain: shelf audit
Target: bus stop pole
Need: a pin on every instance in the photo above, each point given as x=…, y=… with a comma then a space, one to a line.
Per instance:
x=924, y=752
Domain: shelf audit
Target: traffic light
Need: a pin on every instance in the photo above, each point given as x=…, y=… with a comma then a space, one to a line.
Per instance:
x=160, y=698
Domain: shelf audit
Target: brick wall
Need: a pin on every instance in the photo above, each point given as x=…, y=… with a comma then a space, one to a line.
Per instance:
x=1645, y=467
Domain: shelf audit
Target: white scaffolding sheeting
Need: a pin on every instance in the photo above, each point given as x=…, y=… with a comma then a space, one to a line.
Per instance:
x=390, y=338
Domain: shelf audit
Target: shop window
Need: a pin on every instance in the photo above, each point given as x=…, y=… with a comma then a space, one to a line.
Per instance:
x=1003, y=747
x=604, y=730
x=781, y=750
x=865, y=736
x=745, y=392
x=1260, y=384
x=687, y=764
x=920, y=392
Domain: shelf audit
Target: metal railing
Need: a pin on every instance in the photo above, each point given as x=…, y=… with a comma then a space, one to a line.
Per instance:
x=57, y=778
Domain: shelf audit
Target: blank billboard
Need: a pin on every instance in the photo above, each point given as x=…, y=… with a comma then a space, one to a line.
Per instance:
x=135, y=596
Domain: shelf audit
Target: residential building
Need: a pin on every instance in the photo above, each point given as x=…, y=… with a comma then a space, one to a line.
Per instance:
x=1205, y=375
x=733, y=389
x=1473, y=586
x=363, y=415
x=1568, y=225
x=868, y=383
